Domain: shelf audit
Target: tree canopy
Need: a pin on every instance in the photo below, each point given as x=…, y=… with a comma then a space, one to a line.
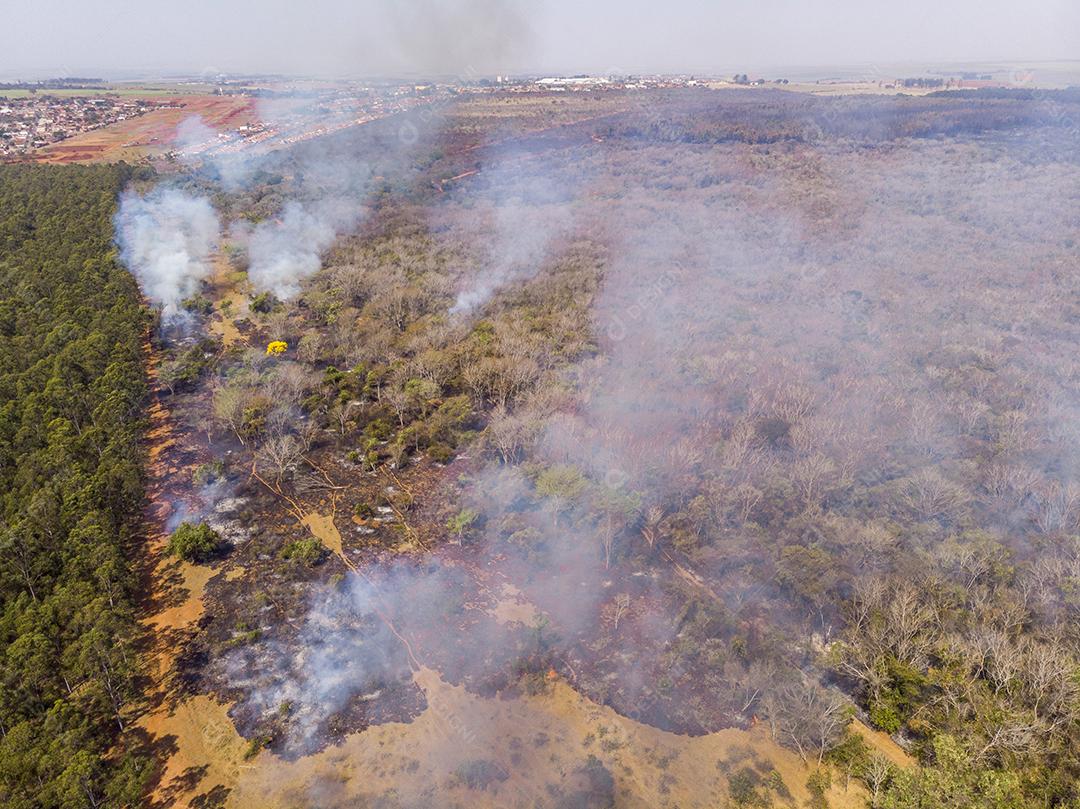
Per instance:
x=71, y=386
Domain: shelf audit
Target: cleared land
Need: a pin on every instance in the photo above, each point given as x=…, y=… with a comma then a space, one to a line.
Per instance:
x=151, y=133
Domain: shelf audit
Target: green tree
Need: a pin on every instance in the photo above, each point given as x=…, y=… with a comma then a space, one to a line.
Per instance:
x=953, y=781
x=194, y=542
x=72, y=383
x=562, y=485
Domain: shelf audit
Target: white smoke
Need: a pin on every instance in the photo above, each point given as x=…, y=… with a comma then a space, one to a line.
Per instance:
x=523, y=238
x=285, y=251
x=166, y=239
x=193, y=135
x=199, y=143
x=525, y=211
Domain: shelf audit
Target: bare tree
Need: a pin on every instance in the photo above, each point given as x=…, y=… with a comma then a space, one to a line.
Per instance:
x=510, y=434
x=750, y=682
x=280, y=454
x=400, y=402
x=931, y=496
x=289, y=382
x=230, y=401
x=500, y=380
x=908, y=619
x=874, y=540
x=652, y=527
x=808, y=716
x=741, y=446
x=970, y=413
x=1012, y=430
x=345, y=413
x=885, y=620
x=877, y=773
x=747, y=497
x=1008, y=735
x=311, y=346
x=1001, y=658
x=352, y=281
x=1008, y=485
x=1056, y=507
x=975, y=561
x=792, y=401
x=619, y=608
x=1049, y=682
x=811, y=476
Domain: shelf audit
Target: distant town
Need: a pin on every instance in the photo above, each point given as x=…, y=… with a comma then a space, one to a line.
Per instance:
x=37, y=115
x=33, y=121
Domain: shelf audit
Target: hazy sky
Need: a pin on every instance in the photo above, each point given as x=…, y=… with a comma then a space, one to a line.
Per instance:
x=492, y=36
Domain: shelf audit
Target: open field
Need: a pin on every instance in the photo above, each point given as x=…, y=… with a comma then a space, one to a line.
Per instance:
x=842, y=88
x=151, y=133
x=125, y=91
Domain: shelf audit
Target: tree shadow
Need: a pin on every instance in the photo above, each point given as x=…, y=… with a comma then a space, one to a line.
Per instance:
x=213, y=799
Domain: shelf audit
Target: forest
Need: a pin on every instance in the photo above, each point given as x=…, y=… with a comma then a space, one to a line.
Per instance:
x=72, y=389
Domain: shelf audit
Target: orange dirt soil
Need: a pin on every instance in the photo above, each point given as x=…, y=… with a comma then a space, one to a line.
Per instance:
x=550, y=735
x=227, y=284
x=175, y=588
x=152, y=133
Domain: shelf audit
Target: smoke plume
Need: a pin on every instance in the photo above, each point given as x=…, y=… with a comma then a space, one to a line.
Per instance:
x=166, y=238
x=524, y=211
x=464, y=38
x=284, y=252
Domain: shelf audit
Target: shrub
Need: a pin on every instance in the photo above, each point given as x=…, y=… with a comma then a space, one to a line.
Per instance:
x=308, y=552
x=479, y=773
x=194, y=543
x=885, y=716
x=198, y=304
x=256, y=745
x=461, y=522
x=742, y=787
x=440, y=453
x=591, y=786
x=263, y=303
x=379, y=429
x=819, y=783
x=208, y=473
